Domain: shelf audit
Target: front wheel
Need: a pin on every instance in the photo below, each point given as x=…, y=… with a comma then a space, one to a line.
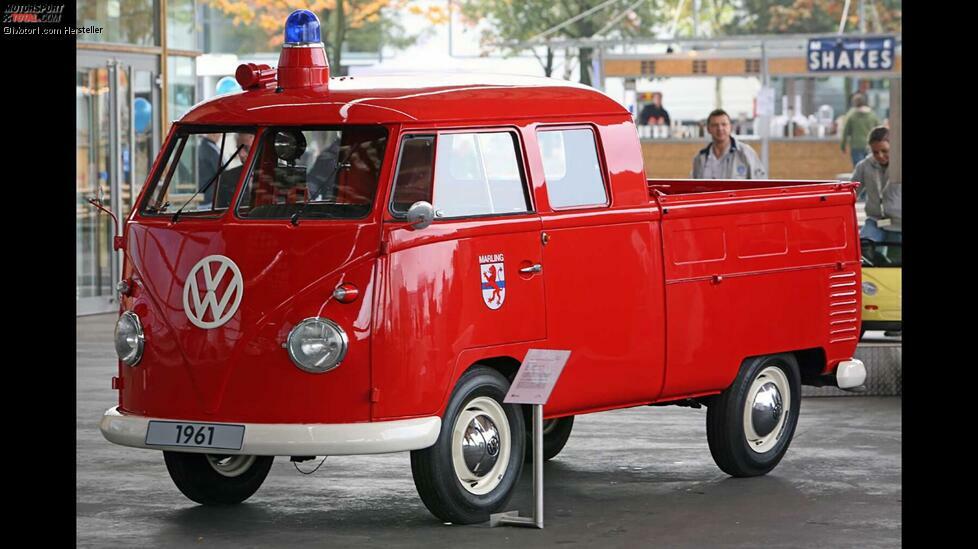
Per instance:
x=749, y=426
x=212, y=479
x=472, y=468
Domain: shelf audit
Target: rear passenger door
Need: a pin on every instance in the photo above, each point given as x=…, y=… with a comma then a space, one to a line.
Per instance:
x=456, y=284
x=604, y=289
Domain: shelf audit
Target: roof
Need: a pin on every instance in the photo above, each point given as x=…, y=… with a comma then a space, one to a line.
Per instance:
x=405, y=99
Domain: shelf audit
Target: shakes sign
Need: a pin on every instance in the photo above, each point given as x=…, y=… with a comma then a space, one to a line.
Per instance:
x=851, y=54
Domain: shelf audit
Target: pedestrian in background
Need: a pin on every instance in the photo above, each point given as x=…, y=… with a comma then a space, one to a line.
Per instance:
x=860, y=120
x=654, y=114
x=883, y=200
x=725, y=157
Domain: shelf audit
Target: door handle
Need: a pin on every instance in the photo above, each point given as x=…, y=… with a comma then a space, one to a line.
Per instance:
x=536, y=268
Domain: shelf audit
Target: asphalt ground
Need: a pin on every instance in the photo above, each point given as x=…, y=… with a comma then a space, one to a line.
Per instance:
x=639, y=477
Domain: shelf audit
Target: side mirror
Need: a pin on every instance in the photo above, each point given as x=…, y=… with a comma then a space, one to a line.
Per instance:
x=420, y=214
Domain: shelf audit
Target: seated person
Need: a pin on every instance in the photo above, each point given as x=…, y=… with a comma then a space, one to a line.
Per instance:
x=324, y=167
x=229, y=179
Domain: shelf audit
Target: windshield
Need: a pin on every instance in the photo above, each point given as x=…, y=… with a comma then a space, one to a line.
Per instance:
x=325, y=173
x=201, y=172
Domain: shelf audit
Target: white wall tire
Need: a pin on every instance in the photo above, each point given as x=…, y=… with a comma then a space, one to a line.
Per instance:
x=482, y=422
x=750, y=425
x=217, y=479
x=472, y=468
x=769, y=388
x=230, y=466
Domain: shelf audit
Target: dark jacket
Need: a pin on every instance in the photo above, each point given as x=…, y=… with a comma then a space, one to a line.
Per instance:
x=208, y=162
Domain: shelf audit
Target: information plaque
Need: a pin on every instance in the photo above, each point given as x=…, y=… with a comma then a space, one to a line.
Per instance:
x=538, y=374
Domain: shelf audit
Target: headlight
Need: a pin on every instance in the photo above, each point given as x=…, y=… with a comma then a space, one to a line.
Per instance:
x=129, y=338
x=869, y=288
x=317, y=345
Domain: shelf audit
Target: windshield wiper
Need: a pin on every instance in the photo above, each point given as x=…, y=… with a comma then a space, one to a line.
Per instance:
x=339, y=165
x=176, y=215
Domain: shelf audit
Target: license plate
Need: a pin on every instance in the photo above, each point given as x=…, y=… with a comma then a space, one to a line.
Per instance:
x=195, y=435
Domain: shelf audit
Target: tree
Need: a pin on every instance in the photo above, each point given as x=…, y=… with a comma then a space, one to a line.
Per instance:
x=813, y=16
x=363, y=22
x=511, y=21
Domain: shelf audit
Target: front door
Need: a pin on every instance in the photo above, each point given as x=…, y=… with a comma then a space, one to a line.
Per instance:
x=465, y=282
x=117, y=136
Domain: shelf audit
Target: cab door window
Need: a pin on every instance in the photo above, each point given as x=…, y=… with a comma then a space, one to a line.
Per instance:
x=571, y=168
x=474, y=174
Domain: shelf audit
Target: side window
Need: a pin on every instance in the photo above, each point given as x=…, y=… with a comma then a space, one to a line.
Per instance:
x=414, y=172
x=474, y=174
x=571, y=168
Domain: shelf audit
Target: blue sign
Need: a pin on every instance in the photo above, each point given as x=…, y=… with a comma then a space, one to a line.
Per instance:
x=844, y=54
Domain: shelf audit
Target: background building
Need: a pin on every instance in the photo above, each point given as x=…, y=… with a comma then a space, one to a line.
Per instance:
x=131, y=79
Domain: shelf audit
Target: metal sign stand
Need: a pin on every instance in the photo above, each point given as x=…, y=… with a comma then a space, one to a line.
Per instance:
x=532, y=385
x=512, y=518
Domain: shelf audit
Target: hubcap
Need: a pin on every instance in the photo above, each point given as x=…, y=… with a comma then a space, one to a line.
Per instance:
x=230, y=466
x=766, y=409
x=481, y=445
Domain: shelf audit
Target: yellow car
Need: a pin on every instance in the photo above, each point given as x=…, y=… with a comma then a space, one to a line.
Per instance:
x=882, y=297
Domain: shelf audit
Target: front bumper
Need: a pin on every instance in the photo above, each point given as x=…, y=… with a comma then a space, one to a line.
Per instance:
x=268, y=439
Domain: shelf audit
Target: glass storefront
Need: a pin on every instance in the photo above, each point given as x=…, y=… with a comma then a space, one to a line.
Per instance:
x=93, y=233
x=120, y=121
x=116, y=136
x=180, y=33
x=123, y=21
x=182, y=86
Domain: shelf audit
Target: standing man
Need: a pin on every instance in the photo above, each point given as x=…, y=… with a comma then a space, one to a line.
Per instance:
x=860, y=120
x=883, y=200
x=725, y=157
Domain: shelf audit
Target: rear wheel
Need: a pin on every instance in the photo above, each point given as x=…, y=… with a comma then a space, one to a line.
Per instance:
x=555, y=435
x=472, y=468
x=750, y=425
x=214, y=479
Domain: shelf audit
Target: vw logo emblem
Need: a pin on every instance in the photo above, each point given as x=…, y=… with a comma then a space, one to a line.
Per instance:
x=197, y=301
x=492, y=447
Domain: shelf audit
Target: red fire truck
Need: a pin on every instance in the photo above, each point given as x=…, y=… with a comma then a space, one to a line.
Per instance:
x=332, y=266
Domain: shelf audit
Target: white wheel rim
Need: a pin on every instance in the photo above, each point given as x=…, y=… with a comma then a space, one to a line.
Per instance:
x=770, y=375
x=481, y=409
x=230, y=466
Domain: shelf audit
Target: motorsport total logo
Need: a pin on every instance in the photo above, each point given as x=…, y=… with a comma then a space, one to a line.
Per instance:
x=33, y=13
x=41, y=20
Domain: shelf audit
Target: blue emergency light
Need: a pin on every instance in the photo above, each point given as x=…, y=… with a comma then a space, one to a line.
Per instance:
x=302, y=27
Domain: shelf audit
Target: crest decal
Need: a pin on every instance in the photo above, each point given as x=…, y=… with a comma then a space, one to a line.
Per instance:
x=493, y=280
